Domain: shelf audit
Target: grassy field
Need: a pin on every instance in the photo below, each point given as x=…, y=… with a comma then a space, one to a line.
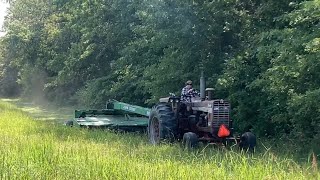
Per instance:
x=34, y=146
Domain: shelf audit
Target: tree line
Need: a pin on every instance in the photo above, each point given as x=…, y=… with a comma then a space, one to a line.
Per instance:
x=264, y=56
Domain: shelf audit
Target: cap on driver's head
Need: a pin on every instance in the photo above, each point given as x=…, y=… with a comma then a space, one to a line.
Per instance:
x=189, y=82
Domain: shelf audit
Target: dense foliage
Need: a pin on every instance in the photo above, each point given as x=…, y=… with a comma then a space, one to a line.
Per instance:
x=262, y=55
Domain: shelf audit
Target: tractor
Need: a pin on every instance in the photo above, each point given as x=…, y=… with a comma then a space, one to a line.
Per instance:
x=202, y=120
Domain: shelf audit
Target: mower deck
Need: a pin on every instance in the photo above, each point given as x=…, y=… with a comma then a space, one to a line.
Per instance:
x=112, y=120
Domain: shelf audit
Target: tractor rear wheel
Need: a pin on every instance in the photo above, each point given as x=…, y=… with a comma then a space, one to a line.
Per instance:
x=190, y=140
x=162, y=124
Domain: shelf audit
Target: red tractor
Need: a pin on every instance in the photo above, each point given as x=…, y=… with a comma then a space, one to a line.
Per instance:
x=203, y=119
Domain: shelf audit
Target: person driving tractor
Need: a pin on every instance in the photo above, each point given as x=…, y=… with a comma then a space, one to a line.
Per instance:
x=188, y=92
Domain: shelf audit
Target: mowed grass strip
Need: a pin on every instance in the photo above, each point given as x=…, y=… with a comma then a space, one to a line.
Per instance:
x=31, y=149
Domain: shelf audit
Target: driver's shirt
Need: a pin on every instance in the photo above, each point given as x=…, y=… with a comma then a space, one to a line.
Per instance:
x=186, y=96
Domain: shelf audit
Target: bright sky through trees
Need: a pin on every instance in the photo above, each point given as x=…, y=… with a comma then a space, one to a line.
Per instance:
x=3, y=7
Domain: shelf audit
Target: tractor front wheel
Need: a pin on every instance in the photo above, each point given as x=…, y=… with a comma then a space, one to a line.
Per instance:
x=162, y=124
x=190, y=140
x=248, y=142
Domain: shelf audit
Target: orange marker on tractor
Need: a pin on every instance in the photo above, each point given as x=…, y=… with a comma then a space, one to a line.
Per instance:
x=223, y=131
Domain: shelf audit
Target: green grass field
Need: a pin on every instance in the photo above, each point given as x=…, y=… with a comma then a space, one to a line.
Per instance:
x=34, y=146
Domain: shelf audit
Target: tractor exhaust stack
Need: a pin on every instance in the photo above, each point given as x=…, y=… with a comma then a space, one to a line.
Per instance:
x=202, y=87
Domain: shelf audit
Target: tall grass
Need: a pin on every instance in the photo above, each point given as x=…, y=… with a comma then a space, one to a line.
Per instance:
x=31, y=149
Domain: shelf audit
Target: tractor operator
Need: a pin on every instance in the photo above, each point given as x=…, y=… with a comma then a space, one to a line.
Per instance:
x=188, y=92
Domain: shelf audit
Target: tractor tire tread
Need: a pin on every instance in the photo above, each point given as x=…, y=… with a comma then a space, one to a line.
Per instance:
x=165, y=115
